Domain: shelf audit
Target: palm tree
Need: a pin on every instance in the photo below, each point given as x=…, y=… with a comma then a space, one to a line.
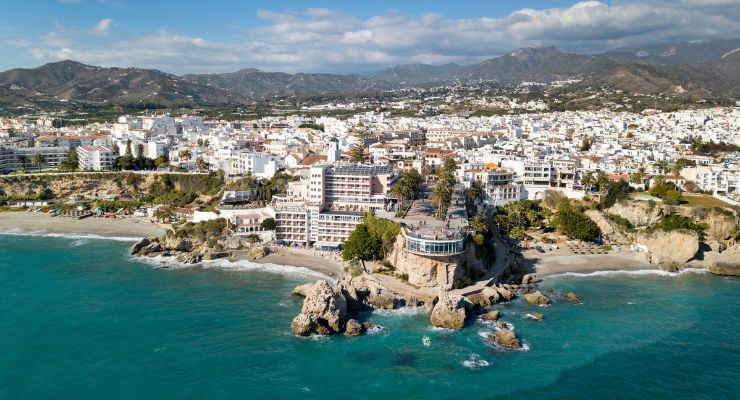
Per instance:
x=442, y=196
x=201, y=164
x=23, y=160
x=164, y=214
x=588, y=181
x=185, y=154
x=38, y=160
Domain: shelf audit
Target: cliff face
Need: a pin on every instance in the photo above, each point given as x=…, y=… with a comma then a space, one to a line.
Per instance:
x=435, y=271
x=639, y=213
x=669, y=250
x=611, y=232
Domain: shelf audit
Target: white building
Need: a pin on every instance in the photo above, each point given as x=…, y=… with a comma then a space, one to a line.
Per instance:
x=95, y=158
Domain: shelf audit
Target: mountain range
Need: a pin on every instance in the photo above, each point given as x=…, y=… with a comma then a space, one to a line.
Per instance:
x=705, y=68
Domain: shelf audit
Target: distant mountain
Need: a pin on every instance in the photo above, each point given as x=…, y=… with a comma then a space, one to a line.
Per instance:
x=720, y=78
x=544, y=65
x=412, y=74
x=676, y=53
x=70, y=80
x=253, y=83
x=680, y=68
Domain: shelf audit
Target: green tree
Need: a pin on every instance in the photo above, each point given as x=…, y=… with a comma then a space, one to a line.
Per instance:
x=268, y=224
x=585, y=144
x=588, y=181
x=361, y=244
x=575, y=224
x=70, y=163
x=164, y=214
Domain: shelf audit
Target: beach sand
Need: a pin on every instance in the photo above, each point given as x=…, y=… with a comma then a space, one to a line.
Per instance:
x=558, y=262
x=324, y=265
x=28, y=222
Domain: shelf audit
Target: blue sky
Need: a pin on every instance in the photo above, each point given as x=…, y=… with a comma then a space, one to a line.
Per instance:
x=337, y=36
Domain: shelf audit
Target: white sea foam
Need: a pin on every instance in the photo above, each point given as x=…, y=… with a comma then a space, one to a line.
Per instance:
x=426, y=341
x=403, y=311
x=223, y=264
x=639, y=272
x=85, y=236
x=475, y=362
x=375, y=329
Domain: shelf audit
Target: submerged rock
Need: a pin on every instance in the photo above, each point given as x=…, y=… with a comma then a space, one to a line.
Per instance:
x=449, y=312
x=324, y=311
x=536, y=298
x=535, y=316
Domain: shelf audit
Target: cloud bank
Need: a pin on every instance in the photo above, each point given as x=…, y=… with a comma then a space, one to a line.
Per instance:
x=325, y=40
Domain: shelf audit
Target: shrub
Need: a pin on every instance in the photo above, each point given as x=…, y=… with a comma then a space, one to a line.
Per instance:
x=624, y=223
x=461, y=283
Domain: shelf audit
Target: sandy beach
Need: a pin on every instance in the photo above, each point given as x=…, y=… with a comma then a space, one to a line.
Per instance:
x=558, y=262
x=29, y=222
x=324, y=265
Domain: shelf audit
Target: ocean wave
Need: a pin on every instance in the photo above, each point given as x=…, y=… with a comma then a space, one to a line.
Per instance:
x=77, y=236
x=475, y=362
x=223, y=264
x=638, y=272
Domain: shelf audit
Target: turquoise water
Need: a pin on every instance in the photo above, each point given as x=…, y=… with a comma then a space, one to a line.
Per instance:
x=80, y=319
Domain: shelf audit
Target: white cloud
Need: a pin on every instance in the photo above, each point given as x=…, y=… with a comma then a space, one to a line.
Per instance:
x=102, y=28
x=327, y=40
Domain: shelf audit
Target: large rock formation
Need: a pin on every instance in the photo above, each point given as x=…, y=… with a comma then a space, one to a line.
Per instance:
x=669, y=250
x=437, y=271
x=449, y=312
x=726, y=263
x=324, y=311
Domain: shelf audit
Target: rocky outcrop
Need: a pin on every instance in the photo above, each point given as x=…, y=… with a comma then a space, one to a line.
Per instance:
x=491, y=315
x=354, y=328
x=301, y=290
x=449, y=311
x=669, y=250
x=572, y=297
x=507, y=339
x=324, y=311
x=506, y=292
x=529, y=279
x=479, y=300
x=536, y=299
x=363, y=293
x=610, y=231
x=726, y=263
x=257, y=252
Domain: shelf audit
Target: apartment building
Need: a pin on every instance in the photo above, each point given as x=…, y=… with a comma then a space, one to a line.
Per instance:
x=95, y=158
x=325, y=208
x=15, y=158
x=498, y=184
x=714, y=178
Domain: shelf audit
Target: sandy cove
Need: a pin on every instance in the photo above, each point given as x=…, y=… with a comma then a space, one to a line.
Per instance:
x=562, y=261
x=106, y=227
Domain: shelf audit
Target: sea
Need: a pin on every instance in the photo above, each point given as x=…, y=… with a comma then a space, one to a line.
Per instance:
x=81, y=319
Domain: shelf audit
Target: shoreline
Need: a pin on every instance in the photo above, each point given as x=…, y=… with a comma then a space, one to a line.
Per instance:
x=547, y=264
x=33, y=222
x=560, y=262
